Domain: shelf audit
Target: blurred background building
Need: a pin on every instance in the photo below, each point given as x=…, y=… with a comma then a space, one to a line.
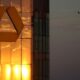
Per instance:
x=40, y=39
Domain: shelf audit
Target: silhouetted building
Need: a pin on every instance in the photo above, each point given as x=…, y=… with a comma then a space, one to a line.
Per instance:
x=40, y=39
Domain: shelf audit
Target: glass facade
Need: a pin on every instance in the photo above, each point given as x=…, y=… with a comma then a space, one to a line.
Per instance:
x=28, y=57
x=15, y=57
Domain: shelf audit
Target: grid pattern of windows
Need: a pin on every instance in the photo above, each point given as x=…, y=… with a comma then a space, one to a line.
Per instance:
x=40, y=40
x=15, y=57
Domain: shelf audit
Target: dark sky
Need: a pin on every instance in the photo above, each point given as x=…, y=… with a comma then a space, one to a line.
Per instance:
x=64, y=40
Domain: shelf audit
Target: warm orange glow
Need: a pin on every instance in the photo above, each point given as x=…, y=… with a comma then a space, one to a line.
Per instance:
x=16, y=56
x=11, y=68
x=25, y=72
x=8, y=70
x=17, y=71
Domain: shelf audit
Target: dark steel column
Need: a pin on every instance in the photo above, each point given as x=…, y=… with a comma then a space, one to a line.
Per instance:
x=40, y=22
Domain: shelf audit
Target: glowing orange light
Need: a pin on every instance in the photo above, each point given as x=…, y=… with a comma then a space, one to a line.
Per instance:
x=25, y=72
x=8, y=70
x=14, y=63
x=17, y=70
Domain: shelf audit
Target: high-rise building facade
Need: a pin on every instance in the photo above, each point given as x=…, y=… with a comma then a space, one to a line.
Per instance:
x=15, y=57
x=28, y=57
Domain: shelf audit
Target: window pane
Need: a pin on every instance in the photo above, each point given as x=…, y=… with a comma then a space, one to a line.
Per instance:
x=16, y=4
x=26, y=18
x=6, y=72
x=5, y=2
x=6, y=24
x=26, y=72
x=16, y=72
x=26, y=51
x=27, y=33
x=16, y=52
x=26, y=6
x=5, y=53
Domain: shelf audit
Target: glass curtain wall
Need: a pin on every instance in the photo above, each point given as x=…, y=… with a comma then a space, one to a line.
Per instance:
x=15, y=57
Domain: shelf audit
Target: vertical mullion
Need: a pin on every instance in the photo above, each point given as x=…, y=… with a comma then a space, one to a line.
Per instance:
x=0, y=60
x=37, y=35
x=0, y=48
x=42, y=48
x=10, y=43
x=31, y=41
x=21, y=38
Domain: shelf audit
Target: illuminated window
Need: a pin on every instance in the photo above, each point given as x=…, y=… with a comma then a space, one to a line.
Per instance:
x=15, y=57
